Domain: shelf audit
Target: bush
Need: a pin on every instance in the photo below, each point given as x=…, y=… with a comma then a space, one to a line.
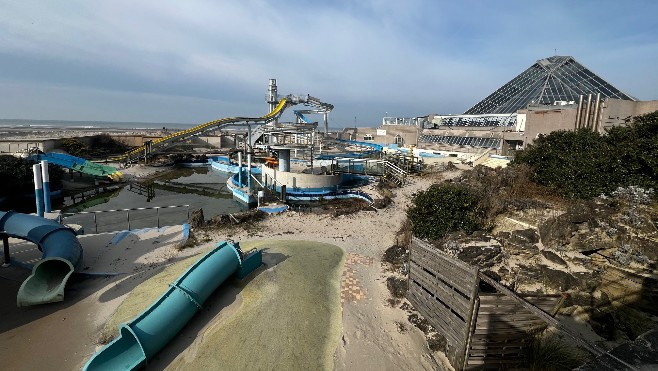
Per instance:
x=104, y=144
x=442, y=209
x=74, y=147
x=583, y=164
x=17, y=177
x=552, y=353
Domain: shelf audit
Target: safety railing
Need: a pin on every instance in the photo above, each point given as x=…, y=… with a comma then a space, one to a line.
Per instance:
x=381, y=168
x=120, y=219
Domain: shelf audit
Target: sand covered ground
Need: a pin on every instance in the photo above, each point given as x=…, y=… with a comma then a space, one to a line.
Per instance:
x=352, y=325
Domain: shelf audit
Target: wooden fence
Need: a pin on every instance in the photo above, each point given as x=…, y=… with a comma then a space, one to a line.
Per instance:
x=483, y=330
x=444, y=291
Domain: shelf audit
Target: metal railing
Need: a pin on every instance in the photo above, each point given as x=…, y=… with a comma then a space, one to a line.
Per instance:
x=381, y=168
x=82, y=218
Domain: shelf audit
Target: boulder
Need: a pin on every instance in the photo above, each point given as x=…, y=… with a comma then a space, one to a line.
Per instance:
x=481, y=256
x=557, y=279
x=553, y=258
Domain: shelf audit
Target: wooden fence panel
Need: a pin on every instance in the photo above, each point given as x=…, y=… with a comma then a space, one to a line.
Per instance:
x=444, y=290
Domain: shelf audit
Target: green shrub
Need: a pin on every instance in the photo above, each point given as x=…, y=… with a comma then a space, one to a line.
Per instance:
x=18, y=177
x=552, y=353
x=442, y=209
x=74, y=146
x=583, y=164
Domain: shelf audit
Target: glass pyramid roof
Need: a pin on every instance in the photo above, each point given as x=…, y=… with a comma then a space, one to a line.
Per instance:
x=557, y=78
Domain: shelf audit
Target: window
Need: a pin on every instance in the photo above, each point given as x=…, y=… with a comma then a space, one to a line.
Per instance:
x=399, y=140
x=368, y=137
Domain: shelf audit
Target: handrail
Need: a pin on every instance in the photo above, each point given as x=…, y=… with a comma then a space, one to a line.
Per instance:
x=157, y=208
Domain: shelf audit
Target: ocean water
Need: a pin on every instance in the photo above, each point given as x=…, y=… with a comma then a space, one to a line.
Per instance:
x=18, y=124
x=91, y=125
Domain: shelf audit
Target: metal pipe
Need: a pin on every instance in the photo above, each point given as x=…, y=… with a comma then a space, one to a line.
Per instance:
x=587, y=111
x=5, y=245
x=46, y=186
x=249, y=171
x=580, y=111
x=38, y=188
x=240, y=169
x=595, y=120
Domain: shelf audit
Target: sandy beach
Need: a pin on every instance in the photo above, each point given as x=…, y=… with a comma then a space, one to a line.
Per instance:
x=369, y=334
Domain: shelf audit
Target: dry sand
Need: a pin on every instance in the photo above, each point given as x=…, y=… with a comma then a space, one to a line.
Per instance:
x=64, y=335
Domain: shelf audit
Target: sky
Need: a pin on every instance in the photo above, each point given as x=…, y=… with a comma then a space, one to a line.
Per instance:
x=194, y=61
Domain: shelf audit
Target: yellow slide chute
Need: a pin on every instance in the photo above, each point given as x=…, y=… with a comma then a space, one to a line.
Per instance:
x=278, y=110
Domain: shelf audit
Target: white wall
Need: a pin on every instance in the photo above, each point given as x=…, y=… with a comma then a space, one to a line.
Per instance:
x=294, y=180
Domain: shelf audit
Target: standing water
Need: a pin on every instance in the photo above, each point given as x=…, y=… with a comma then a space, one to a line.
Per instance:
x=197, y=187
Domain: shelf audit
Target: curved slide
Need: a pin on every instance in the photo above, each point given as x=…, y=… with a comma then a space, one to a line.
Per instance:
x=144, y=336
x=80, y=164
x=283, y=103
x=376, y=147
x=62, y=253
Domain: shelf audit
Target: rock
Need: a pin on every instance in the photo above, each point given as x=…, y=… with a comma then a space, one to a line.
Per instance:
x=557, y=279
x=529, y=235
x=196, y=219
x=481, y=256
x=603, y=323
x=553, y=258
x=579, y=213
x=524, y=250
x=556, y=232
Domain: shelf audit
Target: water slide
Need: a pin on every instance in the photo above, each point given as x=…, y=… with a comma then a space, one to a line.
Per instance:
x=79, y=164
x=376, y=147
x=150, y=331
x=161, y=142
x=61, y=250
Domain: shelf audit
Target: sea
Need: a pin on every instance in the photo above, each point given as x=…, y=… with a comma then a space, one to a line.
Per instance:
x=89, y=125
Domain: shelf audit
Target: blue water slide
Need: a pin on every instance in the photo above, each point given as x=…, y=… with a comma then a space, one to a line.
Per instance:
x=377, y=147
x=62, y=253
x=150, y=331
x=302, y=117
x=79, y=164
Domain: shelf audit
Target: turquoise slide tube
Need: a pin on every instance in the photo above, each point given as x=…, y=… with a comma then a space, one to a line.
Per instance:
x=149, y=332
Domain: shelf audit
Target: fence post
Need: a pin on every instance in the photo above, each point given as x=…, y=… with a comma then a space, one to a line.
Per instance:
x=5, y=245
x=157, y=210
x=128, y=217
x=95, y=223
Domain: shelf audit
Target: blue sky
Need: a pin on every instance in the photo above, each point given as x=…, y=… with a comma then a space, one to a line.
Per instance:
x=194, y=61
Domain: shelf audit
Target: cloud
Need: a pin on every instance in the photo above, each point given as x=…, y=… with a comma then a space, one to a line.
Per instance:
x=365, y=57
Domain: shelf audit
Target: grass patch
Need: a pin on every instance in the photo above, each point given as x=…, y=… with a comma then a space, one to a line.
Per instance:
x=550, y=352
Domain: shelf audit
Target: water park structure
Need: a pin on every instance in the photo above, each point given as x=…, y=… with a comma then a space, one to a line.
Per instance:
x=150, y=331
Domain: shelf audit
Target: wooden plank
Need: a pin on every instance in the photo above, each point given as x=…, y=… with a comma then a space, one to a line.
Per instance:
x=443, y=269
x=446, y=329
x=511, y=351
x=456, y=285
x=448, y=320
x=543, y=315
x=453, y=264
x=451, y=299
x=424, y=245
x=444, y=319
x=438, y=264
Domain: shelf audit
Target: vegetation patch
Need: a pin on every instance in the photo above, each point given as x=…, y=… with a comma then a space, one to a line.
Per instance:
x=550, y=352
x=444, y=208
x=397, y=286
x=583, y=164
